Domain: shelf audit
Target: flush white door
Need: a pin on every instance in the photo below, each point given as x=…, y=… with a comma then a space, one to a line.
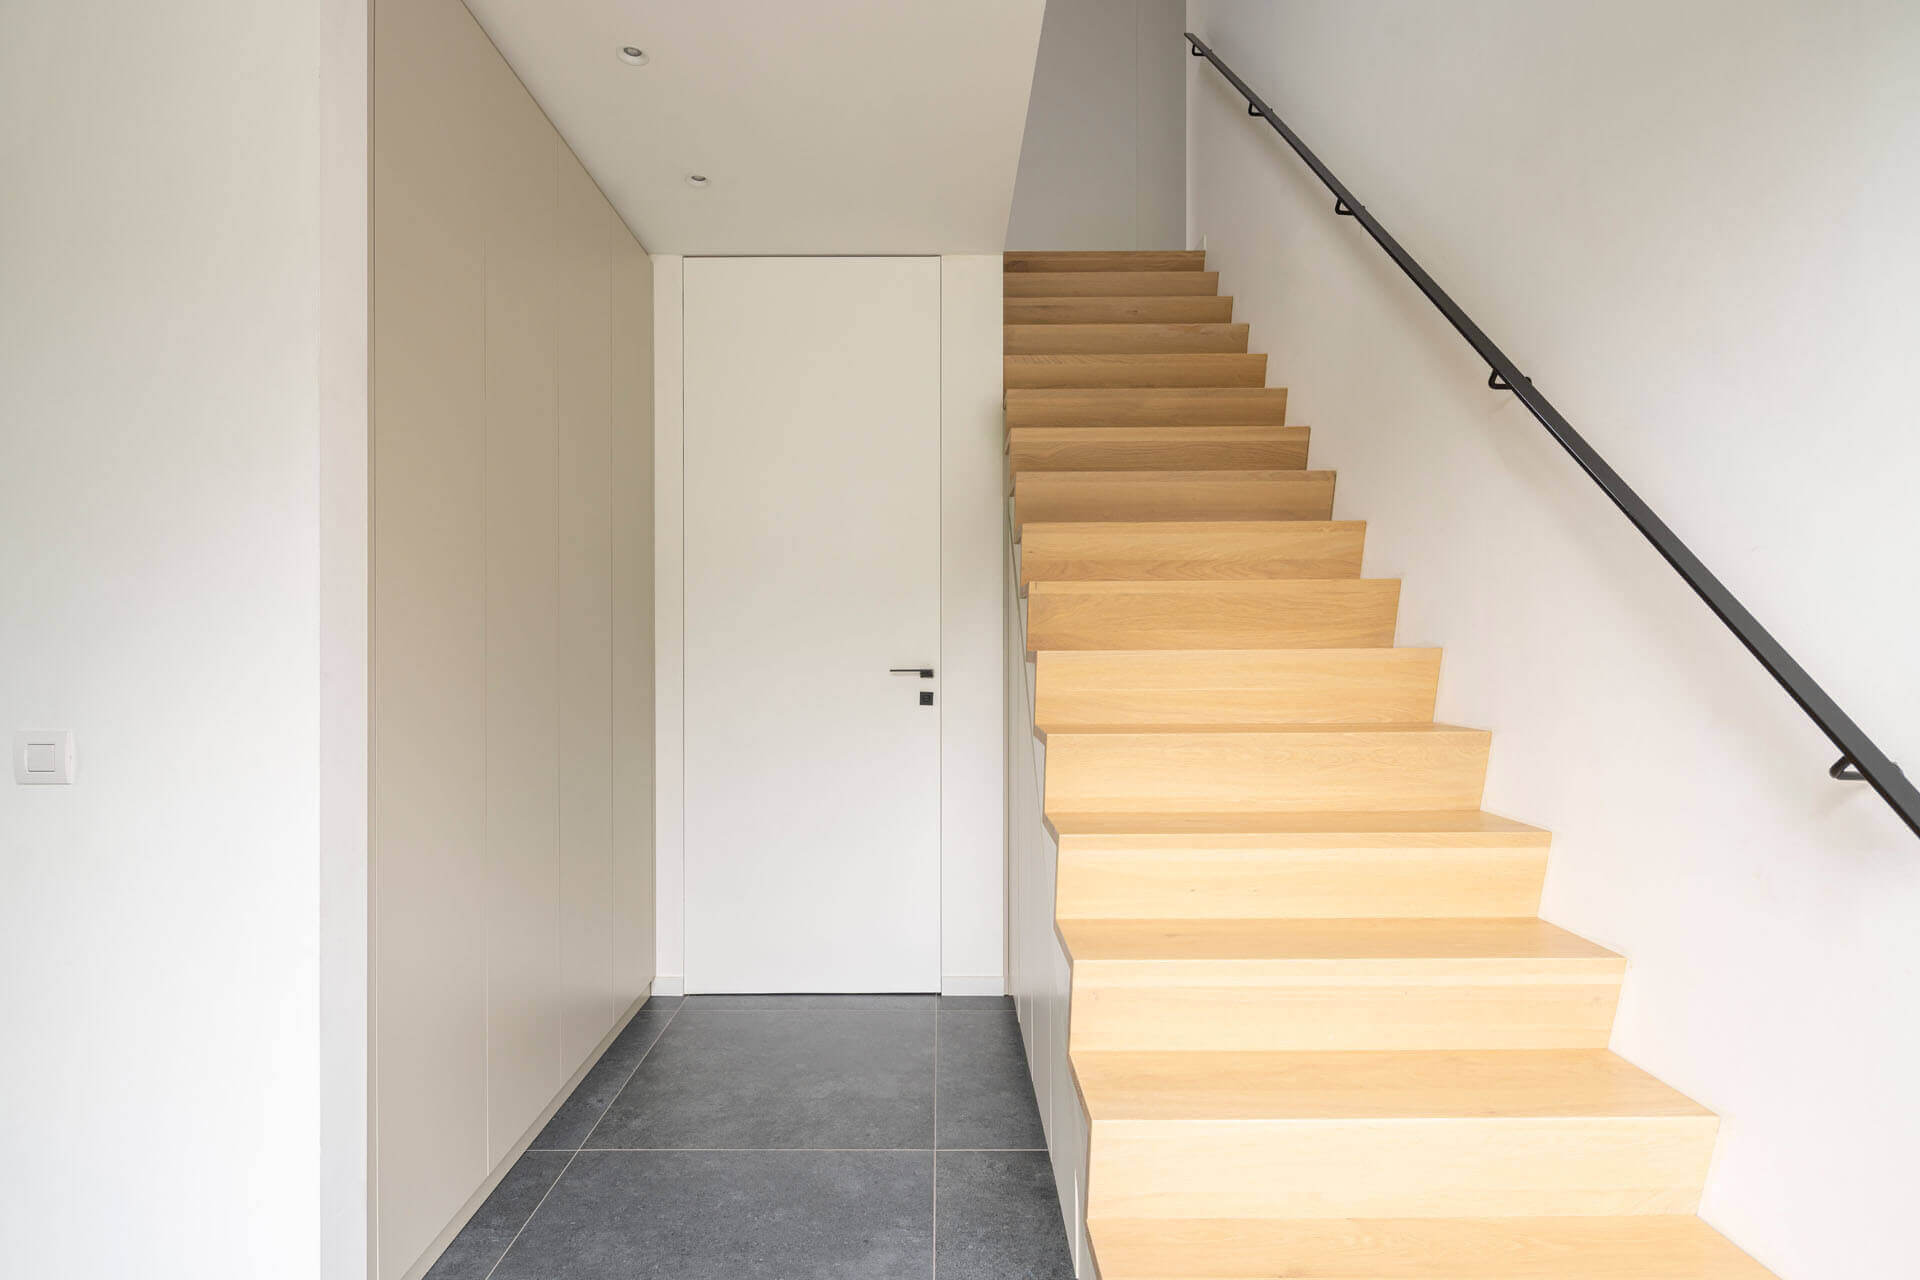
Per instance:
x=812, y=492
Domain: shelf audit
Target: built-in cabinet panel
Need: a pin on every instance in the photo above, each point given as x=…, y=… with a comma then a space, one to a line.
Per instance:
x=583, y=419
x=511, y=643
x=522, y=633
x=427, y=787
x=632, y=514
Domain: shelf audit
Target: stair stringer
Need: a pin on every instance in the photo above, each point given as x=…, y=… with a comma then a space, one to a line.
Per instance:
x=1039, y=974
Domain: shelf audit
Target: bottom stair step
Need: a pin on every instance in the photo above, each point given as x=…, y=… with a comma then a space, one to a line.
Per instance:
x=1653, y=1247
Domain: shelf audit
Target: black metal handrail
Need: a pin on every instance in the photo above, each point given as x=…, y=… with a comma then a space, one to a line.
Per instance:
x=1860, y=759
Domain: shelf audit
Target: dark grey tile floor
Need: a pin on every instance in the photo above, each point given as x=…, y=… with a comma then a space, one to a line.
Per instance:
x=786, y=1138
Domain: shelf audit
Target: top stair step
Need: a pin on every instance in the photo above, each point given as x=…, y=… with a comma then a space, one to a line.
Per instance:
x=1109, y=284
x=1106, y=260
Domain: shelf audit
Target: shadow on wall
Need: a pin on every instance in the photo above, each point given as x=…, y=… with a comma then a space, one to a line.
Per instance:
x=1104, y=161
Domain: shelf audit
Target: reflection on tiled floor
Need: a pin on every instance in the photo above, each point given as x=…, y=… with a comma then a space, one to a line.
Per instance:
x=786, y=1138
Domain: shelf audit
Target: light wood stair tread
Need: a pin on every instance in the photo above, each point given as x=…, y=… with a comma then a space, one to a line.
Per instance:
x=1209, y=550
x=1192, y=529
x=1164, y=448
x=1520, y=938
x=1172, y=308
x=1378, y=685
x=1171, y=432
x=1186, y=586
x=1202, y=369
x=1108, y=284
x=1233, y=686
x=1145, y=407
x=1018, y=260
x=1158, y=479
x=1116, y=496
x=1225, y=613
x=1450, y=826
x=1252, y=588
x=1323, y=875
x=1420, y=1086
x=1262, y=770
x=1633, y=1247
x=1411, y=727
x=1143, y=338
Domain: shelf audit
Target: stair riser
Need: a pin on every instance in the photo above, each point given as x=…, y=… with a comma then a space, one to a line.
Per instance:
x=1163, y=407
x=1123, y=339
x=1309, y=686
x=1297, y=772
x=1170, y=309
x=1324, y=884
x=1348, y=1006
x=1453, y=1168
x=1109, y=284
x=1157, y=449
x=1072, y=497
x=1127, y=552
x=1639, y=1247
x=1210, y=369
x=1353, y=613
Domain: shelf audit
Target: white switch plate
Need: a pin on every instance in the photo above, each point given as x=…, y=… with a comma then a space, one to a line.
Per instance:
x=43, y=757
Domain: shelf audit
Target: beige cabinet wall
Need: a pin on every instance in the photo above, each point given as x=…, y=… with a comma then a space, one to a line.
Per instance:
x=511, y=619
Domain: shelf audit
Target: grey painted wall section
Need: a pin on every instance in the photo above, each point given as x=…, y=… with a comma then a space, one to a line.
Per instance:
x=1104, y=161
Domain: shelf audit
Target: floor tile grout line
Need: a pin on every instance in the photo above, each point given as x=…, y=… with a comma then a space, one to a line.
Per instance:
x=575, y=1154
x=637, y=1063
x=798, y=1151
x=933, y=1262
x=529, y=1222
x=814, y=1009
x=933, y=1152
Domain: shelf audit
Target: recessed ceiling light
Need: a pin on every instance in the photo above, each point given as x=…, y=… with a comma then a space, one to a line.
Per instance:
x=633, y=55
x=696, y=179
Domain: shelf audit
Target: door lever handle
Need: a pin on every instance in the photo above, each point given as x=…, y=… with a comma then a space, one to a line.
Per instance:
x=925, y=673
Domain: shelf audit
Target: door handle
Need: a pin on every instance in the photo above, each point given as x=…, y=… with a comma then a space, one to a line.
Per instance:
x=925, y=673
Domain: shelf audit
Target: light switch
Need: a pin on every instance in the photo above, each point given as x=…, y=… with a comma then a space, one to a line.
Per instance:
x=43, y=757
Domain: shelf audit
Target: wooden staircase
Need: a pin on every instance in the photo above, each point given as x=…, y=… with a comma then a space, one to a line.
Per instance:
x=1317, y=1027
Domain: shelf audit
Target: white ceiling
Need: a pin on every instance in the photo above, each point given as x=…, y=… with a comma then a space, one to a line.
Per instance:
x=825, y=126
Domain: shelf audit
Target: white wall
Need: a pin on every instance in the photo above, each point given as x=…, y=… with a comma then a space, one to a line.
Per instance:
x=1692, y=226
x=1103, y=161
x=182, y=338
x=972, y=756
x=973, y=850
x=511, y=633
